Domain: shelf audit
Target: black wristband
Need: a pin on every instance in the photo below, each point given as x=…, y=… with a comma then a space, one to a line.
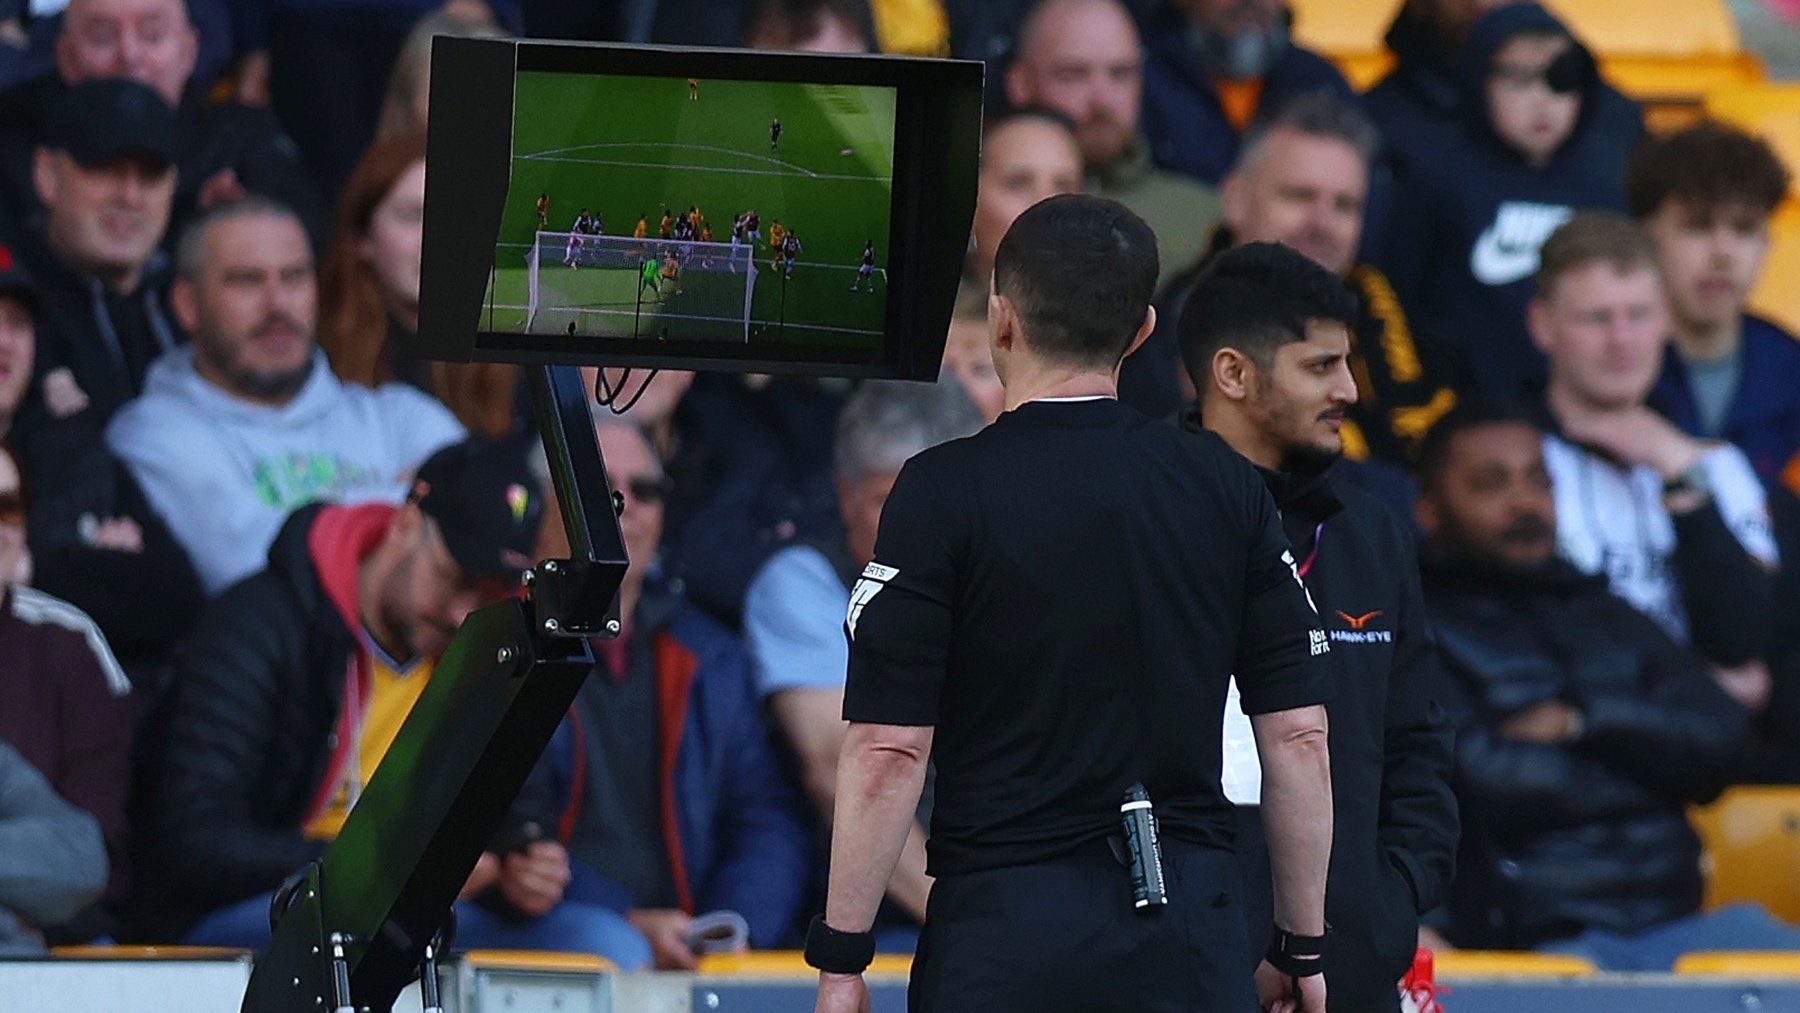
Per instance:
x=838, y=952
x=1295, y=955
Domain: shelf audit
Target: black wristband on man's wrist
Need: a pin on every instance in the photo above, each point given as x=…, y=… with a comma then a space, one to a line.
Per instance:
x=838, y=952
x=1295, y=955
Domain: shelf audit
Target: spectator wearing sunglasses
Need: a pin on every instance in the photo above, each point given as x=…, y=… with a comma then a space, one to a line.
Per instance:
x=65, y=705
x=659, y=798
x=94, y=539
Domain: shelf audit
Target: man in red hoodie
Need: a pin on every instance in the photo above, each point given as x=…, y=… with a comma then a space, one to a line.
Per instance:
x=297, y=681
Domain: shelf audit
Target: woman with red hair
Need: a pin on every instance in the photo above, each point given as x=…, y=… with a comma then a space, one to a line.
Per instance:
x=369, y=293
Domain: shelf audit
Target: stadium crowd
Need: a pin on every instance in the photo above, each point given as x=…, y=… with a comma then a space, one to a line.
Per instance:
x=241, y=517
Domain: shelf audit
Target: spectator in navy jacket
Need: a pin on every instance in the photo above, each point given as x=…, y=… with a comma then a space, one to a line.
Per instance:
x=1212, y=67
x=1705, y=196
x=661, y=782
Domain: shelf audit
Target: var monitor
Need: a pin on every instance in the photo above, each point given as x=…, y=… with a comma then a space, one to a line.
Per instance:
x=695, y=208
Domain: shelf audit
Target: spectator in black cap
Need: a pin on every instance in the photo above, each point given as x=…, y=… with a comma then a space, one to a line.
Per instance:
x=96, y=541
x=224, y=149
x=298, y=679
x=106, y=175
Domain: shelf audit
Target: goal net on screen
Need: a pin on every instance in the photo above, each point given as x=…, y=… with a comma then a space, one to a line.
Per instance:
x=620, y=285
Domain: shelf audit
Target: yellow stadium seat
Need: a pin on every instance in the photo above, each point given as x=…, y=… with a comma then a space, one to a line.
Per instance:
x=1741, y=963
x=911, y=27
x=538, y=960
x=790, y=963
x=1508, y=964
x=1669, y=28
x=85, y=952
x=1752, y=840
x=1338, y=29
x=1770, y=110
x=1680, y=29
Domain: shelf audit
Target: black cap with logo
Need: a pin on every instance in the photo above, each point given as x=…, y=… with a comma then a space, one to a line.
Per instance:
x=486, y=502
x=98, y=122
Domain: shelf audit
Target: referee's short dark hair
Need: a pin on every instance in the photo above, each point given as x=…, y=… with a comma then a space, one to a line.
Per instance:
x=1256, y=298
x=1080, y=271
x=1470, y=413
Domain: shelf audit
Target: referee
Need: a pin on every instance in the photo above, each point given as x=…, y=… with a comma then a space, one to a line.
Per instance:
x=1052, y=615
x=1265, y=335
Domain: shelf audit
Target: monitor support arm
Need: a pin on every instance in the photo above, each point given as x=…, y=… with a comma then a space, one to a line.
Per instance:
x=353, y=929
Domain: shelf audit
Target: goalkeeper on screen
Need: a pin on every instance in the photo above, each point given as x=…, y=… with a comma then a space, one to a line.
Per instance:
x=648, y=278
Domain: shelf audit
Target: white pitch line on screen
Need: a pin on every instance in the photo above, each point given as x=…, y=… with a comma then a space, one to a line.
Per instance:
x=686, y=147
x=802, y=174
x=683, y=316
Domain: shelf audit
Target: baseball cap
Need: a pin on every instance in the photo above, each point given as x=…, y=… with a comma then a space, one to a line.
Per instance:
x=100, y=121
x=486, y=503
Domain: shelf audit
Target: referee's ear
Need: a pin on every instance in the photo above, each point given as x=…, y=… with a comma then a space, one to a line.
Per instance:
x=1143, y=332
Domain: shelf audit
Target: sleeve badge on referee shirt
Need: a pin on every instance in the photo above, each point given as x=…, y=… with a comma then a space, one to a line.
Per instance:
x=874, y=577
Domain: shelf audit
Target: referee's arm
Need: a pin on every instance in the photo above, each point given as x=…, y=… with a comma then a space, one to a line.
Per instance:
x=1284, y=690
x=881, y=774
x=1296, y=812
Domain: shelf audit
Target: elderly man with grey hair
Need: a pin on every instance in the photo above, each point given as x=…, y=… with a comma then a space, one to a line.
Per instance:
x=794, y=611
x=1302, y=179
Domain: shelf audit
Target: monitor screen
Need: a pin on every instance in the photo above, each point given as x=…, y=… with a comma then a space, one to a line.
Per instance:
x=697, y=208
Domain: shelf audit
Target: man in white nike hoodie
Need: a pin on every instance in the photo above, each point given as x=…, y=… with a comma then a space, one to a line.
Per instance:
x=235, y=431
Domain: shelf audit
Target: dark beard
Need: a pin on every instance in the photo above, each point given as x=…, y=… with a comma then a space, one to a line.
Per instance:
x=268, y=386
x=1306, y=460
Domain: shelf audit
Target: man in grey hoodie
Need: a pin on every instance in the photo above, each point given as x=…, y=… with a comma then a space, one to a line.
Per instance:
x=52, y=861
x=235, y=432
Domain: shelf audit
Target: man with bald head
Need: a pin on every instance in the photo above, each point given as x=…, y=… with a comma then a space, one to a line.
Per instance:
x=223, y=150
x=1302, y=179
x=1084, y=59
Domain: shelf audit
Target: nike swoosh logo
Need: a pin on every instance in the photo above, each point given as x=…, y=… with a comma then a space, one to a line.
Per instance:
x=1494, y=263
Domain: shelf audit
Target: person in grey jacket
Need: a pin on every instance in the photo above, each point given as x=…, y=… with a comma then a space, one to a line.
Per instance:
x=52, y=860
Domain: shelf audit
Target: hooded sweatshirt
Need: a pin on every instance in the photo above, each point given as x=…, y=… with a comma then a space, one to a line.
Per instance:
x=226, y=473
x=1463, y=253
x=1419, y=102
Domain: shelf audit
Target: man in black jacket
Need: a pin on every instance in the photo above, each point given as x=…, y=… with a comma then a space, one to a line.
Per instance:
x=106, y=175
x=1583, y=730
x=1265, y=336
x=297, y=680
x=223, y=149
x=96, y=541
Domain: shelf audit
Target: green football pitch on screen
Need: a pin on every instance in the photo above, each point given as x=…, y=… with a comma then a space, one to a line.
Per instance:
x=630, y=148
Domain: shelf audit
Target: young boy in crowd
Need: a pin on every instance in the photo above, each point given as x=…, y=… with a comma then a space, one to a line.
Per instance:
x=1462, y=250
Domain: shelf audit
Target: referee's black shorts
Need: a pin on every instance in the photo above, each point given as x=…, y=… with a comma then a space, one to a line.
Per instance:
x=1063, y=935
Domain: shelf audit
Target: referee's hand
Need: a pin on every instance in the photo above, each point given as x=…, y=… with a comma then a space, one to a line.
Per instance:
x=1283, y=993
x=844, y=993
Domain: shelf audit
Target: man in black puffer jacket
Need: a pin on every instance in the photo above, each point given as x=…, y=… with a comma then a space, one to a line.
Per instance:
x=1583, y=730
x=297, y=680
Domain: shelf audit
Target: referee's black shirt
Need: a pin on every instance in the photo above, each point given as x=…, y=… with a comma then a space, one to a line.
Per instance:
x=1063, y=596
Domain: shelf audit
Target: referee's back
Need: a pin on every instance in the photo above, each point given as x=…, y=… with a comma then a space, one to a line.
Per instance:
x=1064, y=596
